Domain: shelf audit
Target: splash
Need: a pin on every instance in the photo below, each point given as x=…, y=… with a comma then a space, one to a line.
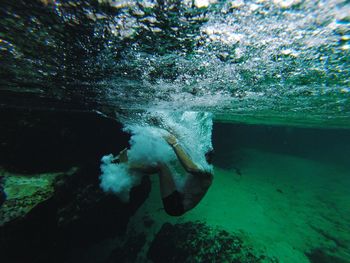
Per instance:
x=116, y=178
x=148, y=147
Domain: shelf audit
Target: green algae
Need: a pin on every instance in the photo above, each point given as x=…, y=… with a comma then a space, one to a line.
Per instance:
x=23, y=193
x=198, y=242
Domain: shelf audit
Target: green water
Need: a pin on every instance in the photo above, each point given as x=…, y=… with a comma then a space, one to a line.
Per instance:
x=282, y=62
x=286, y=190
x=283, y=190
x=275, y=75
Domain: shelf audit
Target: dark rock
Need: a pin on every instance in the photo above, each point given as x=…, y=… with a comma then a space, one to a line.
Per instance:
x=197, y=242
x=2, y=192
x=54, y=228
x=23, y=193
x=323, y=255
x=58, y=213
x=129, y=250
x=36, y=141
x=94, y=215
x=147, y=221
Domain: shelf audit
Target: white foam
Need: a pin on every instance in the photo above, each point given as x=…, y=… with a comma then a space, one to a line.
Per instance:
x=148, y=147
x=115, y=178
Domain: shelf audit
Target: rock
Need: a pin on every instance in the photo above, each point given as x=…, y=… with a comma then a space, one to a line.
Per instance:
x=129, y=250
x=48, y=216
x=38, y=141
x=23, y=193
x=324, y=255
x=2, y=192
x=197, y=242
x=47, y=221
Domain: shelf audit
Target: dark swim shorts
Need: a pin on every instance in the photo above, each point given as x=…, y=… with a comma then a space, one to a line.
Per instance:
x=173, y=204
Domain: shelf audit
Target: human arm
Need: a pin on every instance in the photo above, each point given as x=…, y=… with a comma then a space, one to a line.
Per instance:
x=135, y=166
x=183, y=157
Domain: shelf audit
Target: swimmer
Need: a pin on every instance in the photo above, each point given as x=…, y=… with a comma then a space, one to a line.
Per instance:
x=197, y=180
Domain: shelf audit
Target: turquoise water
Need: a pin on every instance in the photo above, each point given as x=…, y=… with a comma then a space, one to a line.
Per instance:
x=255, y=61
x=273, y=74
x=283, y=191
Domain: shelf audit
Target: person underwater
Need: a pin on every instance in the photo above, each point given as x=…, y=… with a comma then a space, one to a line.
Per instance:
x=196, y=180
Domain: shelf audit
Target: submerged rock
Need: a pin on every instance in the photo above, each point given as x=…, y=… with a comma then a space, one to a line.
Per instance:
x=23, y=193
x=47, y=216
x=2, y=192
x=129, y=250
x=197, y=242
x=324, y=255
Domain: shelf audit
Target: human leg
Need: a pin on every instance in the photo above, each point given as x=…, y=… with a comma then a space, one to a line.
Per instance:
x=166, y=181
x=172, y=199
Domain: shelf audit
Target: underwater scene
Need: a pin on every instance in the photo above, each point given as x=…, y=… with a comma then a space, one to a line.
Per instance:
x=175, y=131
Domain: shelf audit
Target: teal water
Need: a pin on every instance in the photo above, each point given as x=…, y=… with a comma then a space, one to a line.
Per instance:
x=274, y=74
x=267, y=62
x=285, y=190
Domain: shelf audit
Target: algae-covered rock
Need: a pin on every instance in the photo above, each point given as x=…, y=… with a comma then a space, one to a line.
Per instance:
x=24, y=192
x=47, y=217
x=197, y=242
